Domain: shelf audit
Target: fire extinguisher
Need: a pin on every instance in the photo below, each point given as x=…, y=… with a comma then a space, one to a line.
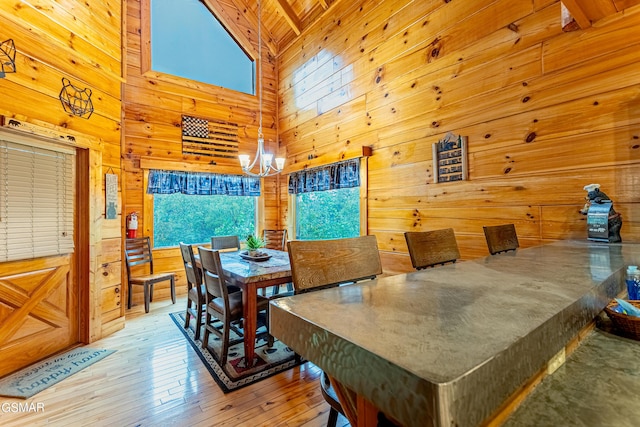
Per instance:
x=132, y=225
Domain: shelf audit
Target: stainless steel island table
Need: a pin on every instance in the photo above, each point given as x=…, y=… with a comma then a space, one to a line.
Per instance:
x=447, y=346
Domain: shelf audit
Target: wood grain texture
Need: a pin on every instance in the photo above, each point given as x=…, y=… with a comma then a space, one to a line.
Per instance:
x=155, y=378
x=82, y=42
x=321, y=263
x=545, y=113
x=154, y=104
x=433, y=247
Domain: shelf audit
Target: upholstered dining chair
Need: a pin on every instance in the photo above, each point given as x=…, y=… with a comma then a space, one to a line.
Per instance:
x=196, y=299
x=430, y=248
x=277, y=239
x=225, y=243
x=320, y=264
x=138, y=255
x=501, y=238
x=221, y=305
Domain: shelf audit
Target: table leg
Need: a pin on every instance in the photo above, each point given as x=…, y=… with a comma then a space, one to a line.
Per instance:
x=249, y=305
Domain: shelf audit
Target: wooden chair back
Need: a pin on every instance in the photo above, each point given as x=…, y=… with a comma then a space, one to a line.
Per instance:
x=225, y=242
x=137, y=252
x=429, y=248
x=501, y=238
x=275, y=239
x=220, y=305
x=195, y=290
x=192, y=272
x=213, y=275
x=325, y=263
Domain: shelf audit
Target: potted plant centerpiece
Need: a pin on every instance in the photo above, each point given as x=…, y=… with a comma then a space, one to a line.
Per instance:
x=254, y=244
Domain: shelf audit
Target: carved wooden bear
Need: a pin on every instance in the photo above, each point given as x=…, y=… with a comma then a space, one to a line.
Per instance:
x=594, y=195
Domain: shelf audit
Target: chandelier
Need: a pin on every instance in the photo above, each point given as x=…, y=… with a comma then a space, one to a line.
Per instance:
x=263, y=161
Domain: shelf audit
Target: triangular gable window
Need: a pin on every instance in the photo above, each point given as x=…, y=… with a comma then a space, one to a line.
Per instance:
x=188, y=41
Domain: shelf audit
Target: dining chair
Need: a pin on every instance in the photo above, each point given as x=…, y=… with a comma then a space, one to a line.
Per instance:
x=225, y=243
x=501, y=238
x=222, y=305
x=277, y=239
x=320, y=264
x=430, y=248
x=196, y=299
x=138, y=254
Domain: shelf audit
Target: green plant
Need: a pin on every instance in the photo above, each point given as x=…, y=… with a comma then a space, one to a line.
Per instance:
x=254, y=242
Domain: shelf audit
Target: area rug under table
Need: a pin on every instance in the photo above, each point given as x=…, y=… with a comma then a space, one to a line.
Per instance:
x=39, y=376
x=234, y=375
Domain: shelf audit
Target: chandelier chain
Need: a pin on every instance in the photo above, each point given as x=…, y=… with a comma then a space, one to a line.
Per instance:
x=262, y=160
x=260, y=135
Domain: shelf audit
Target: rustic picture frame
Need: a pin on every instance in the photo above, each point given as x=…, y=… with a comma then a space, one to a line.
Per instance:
x=450, y=159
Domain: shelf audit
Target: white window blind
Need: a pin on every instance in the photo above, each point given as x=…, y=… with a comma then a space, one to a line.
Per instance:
x=36, y=201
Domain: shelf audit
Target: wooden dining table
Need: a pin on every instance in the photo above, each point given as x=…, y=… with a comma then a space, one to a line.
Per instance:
x=250, y=276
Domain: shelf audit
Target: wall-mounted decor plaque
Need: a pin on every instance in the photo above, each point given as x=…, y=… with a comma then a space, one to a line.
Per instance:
x=111, y=199
x=450, y=159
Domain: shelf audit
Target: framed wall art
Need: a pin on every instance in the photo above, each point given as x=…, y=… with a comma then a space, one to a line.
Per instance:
x=111, y=195
x=450, y=158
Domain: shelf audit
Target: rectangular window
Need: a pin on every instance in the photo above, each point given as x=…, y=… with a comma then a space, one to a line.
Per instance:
x=331, y=214
x=195, y=219
x=327, y=201
x=36, y=201
x=192, y=207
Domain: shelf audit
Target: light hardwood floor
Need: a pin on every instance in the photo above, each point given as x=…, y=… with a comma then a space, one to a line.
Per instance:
x=156, y=379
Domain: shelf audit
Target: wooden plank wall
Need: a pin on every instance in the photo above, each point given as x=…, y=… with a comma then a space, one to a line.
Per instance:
x=153, y=109
x=79, y=41
x=545, y=113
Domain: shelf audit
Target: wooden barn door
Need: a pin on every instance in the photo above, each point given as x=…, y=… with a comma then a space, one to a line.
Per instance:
x=38, y=310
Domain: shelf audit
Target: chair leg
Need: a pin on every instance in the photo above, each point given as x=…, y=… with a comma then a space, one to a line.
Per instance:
x=147, y=297
x=198, y=321
x=129, y=295
x=333, y=418
x=270, y=338
x=187, y=316
x=276, y=290
x=151, y=292
x=205, y=339
x=225, y=342
x=173, y=290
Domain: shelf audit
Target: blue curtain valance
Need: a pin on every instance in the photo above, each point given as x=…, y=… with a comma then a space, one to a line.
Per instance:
x=331, y=177
x=200, y=183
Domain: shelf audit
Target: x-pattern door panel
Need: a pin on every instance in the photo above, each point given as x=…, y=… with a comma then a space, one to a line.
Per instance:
x=38, y=310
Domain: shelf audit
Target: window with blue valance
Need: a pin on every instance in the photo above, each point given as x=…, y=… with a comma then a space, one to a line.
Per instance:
x=201, y=183
x=330, y=177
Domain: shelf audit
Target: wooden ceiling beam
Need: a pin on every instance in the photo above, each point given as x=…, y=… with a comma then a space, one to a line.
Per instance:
x=290, y=16
x=574, y=7
x=228, y=20
x=324, y=4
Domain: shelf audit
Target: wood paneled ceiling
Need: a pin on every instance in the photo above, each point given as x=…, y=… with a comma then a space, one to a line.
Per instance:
x=284, y=20
x=587, y=12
